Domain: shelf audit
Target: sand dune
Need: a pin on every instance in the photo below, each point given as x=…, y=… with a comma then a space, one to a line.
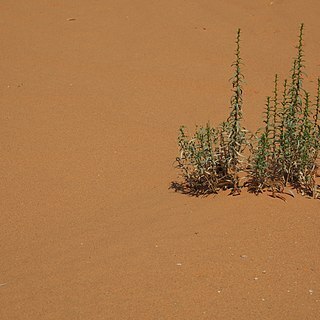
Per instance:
x=92, y=95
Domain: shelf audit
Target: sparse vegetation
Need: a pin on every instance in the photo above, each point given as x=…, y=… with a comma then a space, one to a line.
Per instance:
x=279, y=157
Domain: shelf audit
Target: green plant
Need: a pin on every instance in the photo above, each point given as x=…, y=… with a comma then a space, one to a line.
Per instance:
x=292, y=113
x=212, y=158
x=282, y=154
x=198, y=161
x=236, y=133
x=259, y=166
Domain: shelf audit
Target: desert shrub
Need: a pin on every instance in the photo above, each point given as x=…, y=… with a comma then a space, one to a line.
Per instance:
x=281, y=155
x=212, y=159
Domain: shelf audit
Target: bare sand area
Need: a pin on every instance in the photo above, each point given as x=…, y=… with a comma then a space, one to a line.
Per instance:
x=92, y=96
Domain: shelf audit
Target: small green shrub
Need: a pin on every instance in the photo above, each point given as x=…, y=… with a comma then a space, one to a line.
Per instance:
x=282, y=154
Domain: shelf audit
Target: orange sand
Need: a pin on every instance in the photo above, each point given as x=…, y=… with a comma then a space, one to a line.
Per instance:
x=90, y=110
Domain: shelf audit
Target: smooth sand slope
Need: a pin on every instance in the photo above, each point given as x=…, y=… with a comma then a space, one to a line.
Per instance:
x=90, y=110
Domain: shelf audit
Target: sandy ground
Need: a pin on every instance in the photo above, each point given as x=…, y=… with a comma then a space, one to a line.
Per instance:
x=89, y=115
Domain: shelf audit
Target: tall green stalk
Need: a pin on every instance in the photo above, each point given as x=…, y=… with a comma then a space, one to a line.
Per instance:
x=275, y=125
x=237, y=133
x=293, y=114
x=317, y=110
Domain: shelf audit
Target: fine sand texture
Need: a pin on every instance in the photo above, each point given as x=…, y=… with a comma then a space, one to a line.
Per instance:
x=92, y=94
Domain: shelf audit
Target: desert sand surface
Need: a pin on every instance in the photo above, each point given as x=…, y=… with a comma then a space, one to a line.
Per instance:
x=92, y=96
